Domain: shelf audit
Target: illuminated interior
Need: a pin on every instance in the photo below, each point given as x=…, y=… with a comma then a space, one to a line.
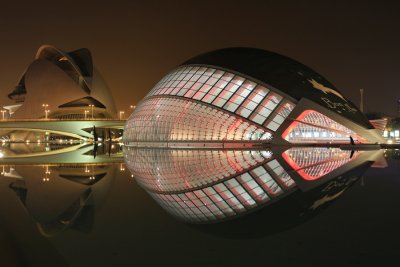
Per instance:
x=314, y=127
x=312, y=163
x=208, y=185
x=194, y=103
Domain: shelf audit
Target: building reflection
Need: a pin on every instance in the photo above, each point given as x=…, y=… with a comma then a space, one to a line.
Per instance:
x=291, y=211
x=23, y=153
x=216, y=190
x=60, y=195
x=204, y=186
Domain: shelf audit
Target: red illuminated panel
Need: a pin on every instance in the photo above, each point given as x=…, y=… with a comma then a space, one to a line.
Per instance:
x=379, y=124
x=314, y=163
x=312, y=126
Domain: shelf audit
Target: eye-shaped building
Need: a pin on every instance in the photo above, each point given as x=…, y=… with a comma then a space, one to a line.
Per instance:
x=194, y=141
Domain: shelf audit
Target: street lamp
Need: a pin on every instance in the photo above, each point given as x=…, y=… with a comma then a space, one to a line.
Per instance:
x=132, y=107
x=120, y=114
x=86, y=112
x=2, y=113
x=46, y=174
x=91, y=106
x=46, y=111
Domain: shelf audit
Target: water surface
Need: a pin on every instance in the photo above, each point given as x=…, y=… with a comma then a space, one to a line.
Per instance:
x=92, y=212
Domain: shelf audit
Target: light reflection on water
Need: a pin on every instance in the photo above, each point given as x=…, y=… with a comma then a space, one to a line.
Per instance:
x=94, y=204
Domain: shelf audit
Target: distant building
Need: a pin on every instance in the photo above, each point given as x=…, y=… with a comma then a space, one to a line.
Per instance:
x=65, y=83
x=58, y=85
x=186, y=141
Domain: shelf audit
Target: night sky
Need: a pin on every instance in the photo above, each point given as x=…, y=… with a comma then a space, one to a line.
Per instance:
x=134, y=43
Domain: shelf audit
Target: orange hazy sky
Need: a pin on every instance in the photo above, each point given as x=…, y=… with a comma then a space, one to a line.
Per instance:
x=134, y=43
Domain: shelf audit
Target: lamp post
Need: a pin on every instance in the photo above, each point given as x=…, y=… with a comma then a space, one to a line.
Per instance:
x=46, y=111
x=91, y=106
x=45, y=106
x=46, y=174
x=86, y=112
x=120, y=114
x=2, y=113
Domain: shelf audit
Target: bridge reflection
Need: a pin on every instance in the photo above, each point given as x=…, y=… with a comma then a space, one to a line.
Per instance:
x=79, y=129
x=70, y=154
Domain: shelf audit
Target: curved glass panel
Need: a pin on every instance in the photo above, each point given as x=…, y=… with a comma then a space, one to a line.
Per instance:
x=312, y=126
x=314, y=162
x=172, y=119
x=228, y=91
x=181, y=169
x=208, y=185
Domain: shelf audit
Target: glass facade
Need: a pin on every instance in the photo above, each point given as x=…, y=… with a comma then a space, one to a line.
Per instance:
x=171, y=144
x=225, y=90
x=312, y=126
x=208, y=185
x=174, y=119
x=205, y=104
x=169, y=170
x=314, y=162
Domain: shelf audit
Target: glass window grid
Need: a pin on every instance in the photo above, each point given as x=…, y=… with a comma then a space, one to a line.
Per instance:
x=240, y=193
x=200, y=205
x=312, y=126
x=210, y=205
x=319, y=162
x=157, y=119
x=281, y=174
x=265, y=108
x=266, y=181
x=176, y=170
x=225, y=90
x=228, y=198
x=219, y=201
x=254, y=189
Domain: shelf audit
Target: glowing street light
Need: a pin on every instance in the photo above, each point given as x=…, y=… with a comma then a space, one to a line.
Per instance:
x=120, y=114
x=132, y=107
x=47, y=172
x=86, y=112
x=2, y=113
x=46, y=111
x=91, y=106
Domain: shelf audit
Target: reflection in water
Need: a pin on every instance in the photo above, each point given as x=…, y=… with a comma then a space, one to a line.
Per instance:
x=206, y=185
x=60, y=195
x=313, y=163
x=290, y=211
x=61, y=154
x=91, y=213
x=275, y=188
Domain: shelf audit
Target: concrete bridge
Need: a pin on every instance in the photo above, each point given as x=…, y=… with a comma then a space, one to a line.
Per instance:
x=73, y=128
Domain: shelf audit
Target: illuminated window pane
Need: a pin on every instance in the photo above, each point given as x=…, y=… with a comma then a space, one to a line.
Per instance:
x=282, y=175
x=312, y=126
x=229, y=197
x=266, y=181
